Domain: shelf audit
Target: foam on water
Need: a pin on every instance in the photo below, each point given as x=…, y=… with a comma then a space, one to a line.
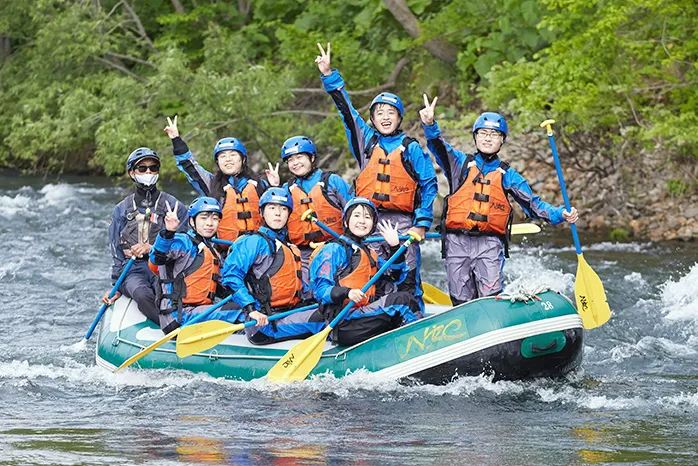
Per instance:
x=10, y=268
x=59, y=194
x=74, y=372
x=635, y=278
x=530, y=272
x=10, y=206
x=680, y=298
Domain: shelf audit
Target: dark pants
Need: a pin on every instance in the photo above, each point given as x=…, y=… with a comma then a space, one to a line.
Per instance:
x=383, y=315
x=139, y=284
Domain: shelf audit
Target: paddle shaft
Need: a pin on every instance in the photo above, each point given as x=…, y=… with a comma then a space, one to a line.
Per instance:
x=558, y=168
x=113, y=291
x=204, y=315
x=251, y=323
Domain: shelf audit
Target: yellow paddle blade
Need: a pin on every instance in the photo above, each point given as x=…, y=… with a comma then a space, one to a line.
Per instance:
x=590, y=296
x=433, y=295
x=297, y=363
x=525, y=229
x=200, y=337
x=149, y=349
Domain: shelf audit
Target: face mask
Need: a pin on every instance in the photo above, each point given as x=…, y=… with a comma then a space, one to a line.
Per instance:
x=147, y=180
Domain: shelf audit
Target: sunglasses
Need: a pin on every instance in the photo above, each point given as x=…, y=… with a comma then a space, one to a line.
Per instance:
x=145, y=168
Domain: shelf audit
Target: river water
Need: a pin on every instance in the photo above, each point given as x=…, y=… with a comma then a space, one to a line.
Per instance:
x=635, y=399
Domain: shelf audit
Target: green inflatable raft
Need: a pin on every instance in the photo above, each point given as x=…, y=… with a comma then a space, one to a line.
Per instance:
x=541, y=337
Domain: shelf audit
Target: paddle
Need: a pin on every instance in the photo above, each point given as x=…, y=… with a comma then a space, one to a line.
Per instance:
x=518, y=229
x=113, y=291
x=202, y=336
x=173, y=333
x=588, y=289
x=297, y=363
x=433, y=295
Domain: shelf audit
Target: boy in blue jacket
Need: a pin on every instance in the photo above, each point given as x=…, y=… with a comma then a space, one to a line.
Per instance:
x=476, y=220
x=189, y=267
x=264, y=274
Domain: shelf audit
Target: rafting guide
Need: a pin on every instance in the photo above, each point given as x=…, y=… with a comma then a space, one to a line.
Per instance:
x=188, y=266
x=133, y=227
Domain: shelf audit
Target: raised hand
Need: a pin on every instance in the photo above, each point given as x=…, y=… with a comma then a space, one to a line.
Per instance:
x=171, y=128
x=171, y=220
x=427, y=113
x=323, y=60
x=273, y=175
x=389, y=232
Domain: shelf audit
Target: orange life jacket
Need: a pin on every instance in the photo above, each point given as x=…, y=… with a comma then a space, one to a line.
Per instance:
x=201, y=278
x=362, y=266
x=479, y=205
x=388, y=180
x=240, y=212
x=302, y=232
x=280, y=287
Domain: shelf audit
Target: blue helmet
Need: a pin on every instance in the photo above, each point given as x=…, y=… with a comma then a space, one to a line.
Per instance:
x=140, y=154
x=352, y=204
x=204, y=204
x=276, y=195
x=229, y=144
x=491, y=120
x=390, y=99
x=297, y=145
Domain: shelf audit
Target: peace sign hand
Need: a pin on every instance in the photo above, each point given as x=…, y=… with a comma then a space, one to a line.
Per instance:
x=273, y=175
x=171, y=220
x=427, y=113
x=171, y=128
x=323, y=60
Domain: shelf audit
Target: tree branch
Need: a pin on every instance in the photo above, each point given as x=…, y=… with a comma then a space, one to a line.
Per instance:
x=141, y=29
x=111, y=12
x=178, y=6
x=130, y=58
x=244, y=8
x=120, y=68
x=438, y=47
x=5, y=46
x=374, y=90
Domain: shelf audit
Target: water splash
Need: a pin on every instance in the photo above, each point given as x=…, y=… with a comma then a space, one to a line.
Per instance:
x=680, y=298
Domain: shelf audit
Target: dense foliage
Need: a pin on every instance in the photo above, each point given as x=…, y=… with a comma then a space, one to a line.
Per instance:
x=84, y=82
